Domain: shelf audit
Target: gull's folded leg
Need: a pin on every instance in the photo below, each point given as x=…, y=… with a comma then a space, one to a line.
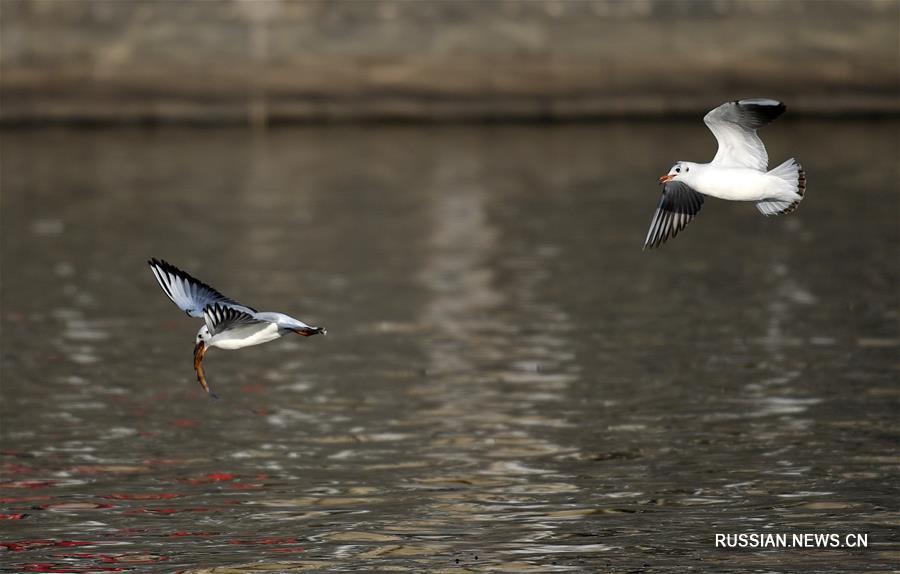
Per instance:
x=199, y=352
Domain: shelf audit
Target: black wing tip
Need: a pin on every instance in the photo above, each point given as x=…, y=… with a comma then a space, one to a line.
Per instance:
x=765, y=109
x=217, y=308
x=215, y=314
x=220, y=312
x=158, y=270
x=652, y=243
x=182, y=274
x=165, y=266
x=678, y=205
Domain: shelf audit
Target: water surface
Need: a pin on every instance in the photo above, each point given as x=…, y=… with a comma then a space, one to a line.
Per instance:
x=509, y=384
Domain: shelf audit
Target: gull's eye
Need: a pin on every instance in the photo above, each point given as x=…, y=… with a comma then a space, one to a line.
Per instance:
x=677, y=170
x=687, y=169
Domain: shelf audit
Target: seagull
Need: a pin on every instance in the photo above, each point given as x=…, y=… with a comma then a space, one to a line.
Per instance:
x=229, y=324
x=738, y=172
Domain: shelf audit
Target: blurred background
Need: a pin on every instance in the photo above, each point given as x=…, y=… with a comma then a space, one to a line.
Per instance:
x=274, y=60
x=459, y=192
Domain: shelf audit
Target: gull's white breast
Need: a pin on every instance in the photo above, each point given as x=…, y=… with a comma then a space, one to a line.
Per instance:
x=246, y=336
x=734, y=183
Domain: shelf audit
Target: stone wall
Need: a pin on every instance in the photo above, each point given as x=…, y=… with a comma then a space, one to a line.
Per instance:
x=272, y=60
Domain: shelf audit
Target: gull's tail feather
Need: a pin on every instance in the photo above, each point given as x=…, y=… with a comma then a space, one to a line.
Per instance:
x=794, y=183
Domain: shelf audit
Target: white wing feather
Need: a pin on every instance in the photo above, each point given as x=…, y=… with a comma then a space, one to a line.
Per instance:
x=734, y=124
x=190, y=294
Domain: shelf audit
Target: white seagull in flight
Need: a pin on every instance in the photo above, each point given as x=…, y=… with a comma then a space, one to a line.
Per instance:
x=737, y=172
x=229, y=325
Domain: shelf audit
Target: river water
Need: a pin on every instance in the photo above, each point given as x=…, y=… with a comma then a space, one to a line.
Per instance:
x=508, y=384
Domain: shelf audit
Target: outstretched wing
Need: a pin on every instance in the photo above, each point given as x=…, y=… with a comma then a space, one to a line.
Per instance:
x=221, y=318
x=734, y=124
x=677, y=207
x=190, y=294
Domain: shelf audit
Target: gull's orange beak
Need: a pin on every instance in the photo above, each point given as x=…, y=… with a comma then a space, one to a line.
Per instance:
x=666, y=178
x=309, y=331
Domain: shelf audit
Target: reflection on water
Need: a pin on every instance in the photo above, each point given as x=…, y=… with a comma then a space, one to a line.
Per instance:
x=509, y=384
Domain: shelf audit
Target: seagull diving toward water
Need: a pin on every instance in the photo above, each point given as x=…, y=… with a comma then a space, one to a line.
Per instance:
x=229, y=325
x=737, y=172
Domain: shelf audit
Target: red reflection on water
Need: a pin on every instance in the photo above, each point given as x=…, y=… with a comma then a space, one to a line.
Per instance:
x=65, y=568
x=290, y=542
x=250, y=485
x=12, y=516
x=22, y=545
x=23, y=498
x=147, y=496
x=245, y=485
x=28, y=483
x=278, y=540
x=119, y=558
x=127, y=532
x=254, y=389
x=185, y=423
x=183, y=533
x=13, y=468
x=74, y=506
x=165, y=511
x=153, y=462
x=14, y=453
x=107, y=469
x=135, y=558
x=212, y=477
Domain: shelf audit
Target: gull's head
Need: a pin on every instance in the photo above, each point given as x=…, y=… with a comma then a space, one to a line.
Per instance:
x=202, y=335
x=681, y=171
